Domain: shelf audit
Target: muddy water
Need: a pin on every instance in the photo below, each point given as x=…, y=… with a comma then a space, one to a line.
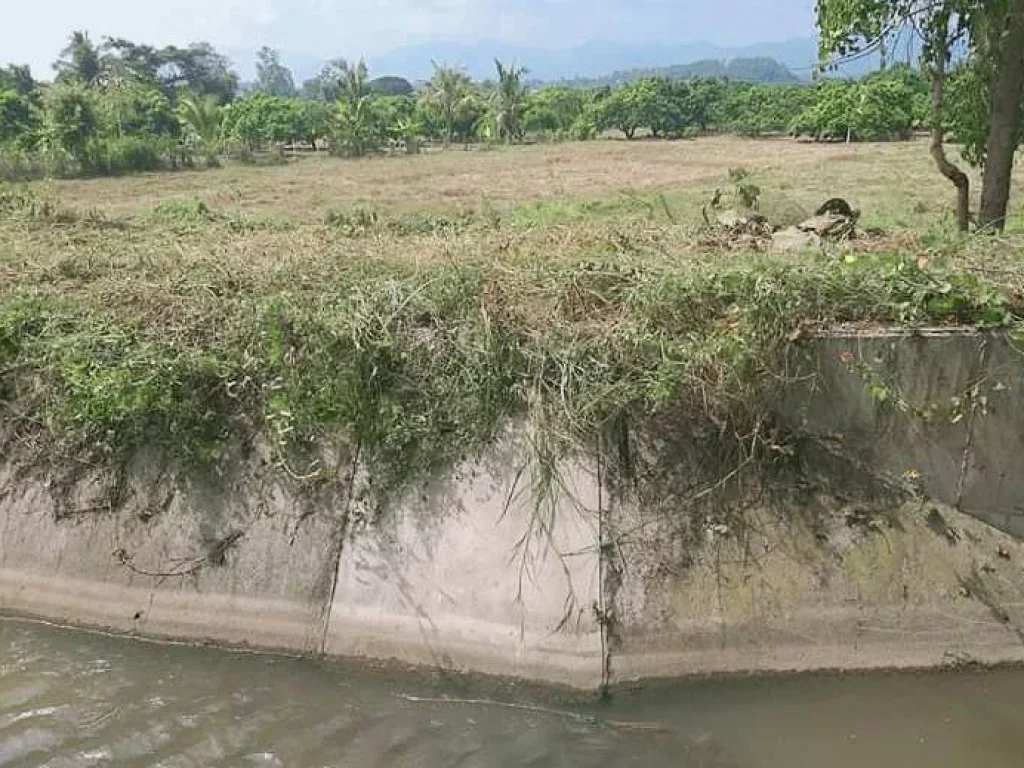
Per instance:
x=76, y=699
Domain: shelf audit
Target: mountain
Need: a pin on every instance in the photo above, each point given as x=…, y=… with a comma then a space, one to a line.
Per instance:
x=590, y=61
x=754, y=70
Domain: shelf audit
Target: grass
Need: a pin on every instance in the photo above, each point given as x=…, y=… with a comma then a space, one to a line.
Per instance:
x=414, y=328
x=307, y=188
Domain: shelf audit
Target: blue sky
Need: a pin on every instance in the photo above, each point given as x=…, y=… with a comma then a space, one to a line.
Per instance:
x=33, y=32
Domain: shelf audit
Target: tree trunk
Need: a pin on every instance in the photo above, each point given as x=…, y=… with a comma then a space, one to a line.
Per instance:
x=1005, y=122
x=938, y=149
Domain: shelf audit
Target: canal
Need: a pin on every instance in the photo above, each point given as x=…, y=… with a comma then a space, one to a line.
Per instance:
x=70, y=698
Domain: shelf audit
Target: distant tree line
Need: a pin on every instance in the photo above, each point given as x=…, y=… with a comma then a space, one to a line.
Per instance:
x=758, y=69
x=118, y=106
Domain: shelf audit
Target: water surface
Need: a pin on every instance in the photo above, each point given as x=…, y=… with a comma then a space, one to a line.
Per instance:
x=77, y=699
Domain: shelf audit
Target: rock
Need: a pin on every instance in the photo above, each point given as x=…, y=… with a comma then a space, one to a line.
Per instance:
x=794, y=240
x=838, y=206
x=828, y=225
x=734, y=219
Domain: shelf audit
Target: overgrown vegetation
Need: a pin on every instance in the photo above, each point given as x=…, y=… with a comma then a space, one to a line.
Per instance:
x=119, y=341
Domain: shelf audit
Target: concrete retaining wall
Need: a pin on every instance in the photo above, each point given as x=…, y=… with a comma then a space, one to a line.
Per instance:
x=466, y=574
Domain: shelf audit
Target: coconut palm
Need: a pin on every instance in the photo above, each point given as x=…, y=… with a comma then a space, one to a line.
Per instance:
x=202, y=117
x=448, y=92
x=353, y=79
x=508, y=102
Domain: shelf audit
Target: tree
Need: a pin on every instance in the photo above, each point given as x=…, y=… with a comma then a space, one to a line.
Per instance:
x=358, y=129
x=993, y=33
x=201, y=118
x=70, y=120
x=17, y=78
x=831, y=115
x=884, y=109
x=541, y=118
x=668, y=108
x=261, y=119
x=555, y=109
x=1003, y=49
x=353, y=80
x=272, y=77
x=315, y=122
x=620, y=109
x=878, y=108
x=448, y=93
x=707, y=95
x=324, y=86
x=142, y=62
x=133, y=108
x=19, y=121
x=79, y=60
x=200, y=70
x=471, y=117
x=391, y=86
x=508, y=102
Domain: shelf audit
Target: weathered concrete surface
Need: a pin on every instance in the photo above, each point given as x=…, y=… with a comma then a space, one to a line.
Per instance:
x=848, y=577
x=608, y=586
x=846, y=589
x=154, y=566
x=467, y=575
x=945, y=405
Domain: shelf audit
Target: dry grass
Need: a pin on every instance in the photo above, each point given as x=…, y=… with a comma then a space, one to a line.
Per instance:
x=515, y=206
x=307, y=187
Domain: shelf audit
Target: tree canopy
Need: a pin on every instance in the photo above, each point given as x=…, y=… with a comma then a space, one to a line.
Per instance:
x=272, y=77
x=989, y=36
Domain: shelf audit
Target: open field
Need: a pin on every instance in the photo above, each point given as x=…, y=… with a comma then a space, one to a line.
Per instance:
x=415, y=304
x=883, y=178
x=307, y=187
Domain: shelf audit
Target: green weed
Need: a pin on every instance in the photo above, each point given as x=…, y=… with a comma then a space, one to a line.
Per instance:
x=424, y=367
x=183, y=211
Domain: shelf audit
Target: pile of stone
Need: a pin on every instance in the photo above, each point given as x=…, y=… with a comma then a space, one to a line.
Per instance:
x=834, y=222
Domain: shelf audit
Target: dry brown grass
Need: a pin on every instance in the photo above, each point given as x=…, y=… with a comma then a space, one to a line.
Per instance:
x=307, y=187
x=514, y=206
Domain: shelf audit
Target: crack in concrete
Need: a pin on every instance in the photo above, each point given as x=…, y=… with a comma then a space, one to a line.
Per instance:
x=339, y=549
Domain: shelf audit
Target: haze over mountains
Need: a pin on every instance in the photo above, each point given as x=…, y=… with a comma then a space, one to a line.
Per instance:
x=590, y=61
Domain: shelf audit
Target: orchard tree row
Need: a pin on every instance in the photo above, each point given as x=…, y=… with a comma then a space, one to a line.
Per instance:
x=119, y=107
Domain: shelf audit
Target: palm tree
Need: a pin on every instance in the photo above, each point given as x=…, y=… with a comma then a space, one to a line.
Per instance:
x=353, y=80
x=202, y=117
x=508, y=102
x=448, y=92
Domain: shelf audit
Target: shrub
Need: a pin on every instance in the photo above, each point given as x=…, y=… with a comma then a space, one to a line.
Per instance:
x=17, y=164
x=129, y=154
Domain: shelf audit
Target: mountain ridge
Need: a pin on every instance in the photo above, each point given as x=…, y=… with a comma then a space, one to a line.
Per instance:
x=593, y=60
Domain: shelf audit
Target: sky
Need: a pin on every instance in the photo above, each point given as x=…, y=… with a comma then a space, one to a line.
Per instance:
x=34, y=31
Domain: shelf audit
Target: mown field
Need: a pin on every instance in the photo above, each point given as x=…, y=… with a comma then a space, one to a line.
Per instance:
x=411, y=306
x=893, y=182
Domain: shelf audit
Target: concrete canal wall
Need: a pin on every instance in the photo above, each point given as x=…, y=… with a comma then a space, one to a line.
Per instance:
x=894, y=542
